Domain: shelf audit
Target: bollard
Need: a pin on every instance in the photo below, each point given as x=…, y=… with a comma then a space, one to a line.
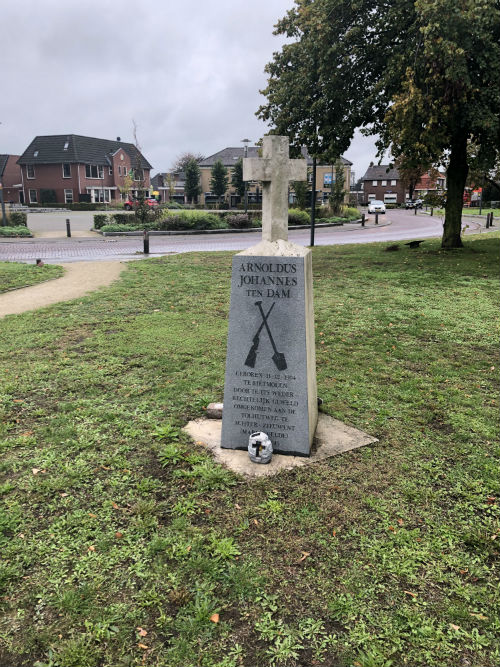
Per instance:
x=376, y=218
x=491, y=219
x=146, y=242
x=362, y=220
x=432, y=211
x=68, y=228
x=415, y=209
x=487, y=220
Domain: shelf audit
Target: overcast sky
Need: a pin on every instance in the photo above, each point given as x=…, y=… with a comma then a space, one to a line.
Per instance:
x=188, y=72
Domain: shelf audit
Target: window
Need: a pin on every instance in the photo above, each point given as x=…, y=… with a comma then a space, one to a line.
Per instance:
x=393, y=182
x=66, y=170
x=35, y=154
x=68, y=196
x=30, y=170
x=66, y=146
x=374, y=182
x=110, y=171
x=390, y=199
x=327, y=180
x=370, y=197
x=94, y=171
x=33, y=198
x=138, y=174
x=384, y=182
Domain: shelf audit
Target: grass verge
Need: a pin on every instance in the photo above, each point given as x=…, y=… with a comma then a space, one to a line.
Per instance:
x=124, y=544
x=14, y=275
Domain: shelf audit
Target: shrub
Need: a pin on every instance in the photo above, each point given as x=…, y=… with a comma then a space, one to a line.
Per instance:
x=17, y=219
x=113, y=227
x=124, y=218
x=172, y=204
x=184, y=220
x=238, y=221
x=15, y=231
x=100, y=220
x=298, y=217
x=351, y=213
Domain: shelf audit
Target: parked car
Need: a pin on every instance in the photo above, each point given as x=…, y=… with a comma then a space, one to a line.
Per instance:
x=413, y=203
x=133, y=203
x=376, y=206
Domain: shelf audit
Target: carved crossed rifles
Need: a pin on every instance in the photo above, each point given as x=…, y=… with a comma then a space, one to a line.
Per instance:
x=278, y=357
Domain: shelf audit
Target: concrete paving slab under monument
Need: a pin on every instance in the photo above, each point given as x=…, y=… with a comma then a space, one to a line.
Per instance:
x=332, y=437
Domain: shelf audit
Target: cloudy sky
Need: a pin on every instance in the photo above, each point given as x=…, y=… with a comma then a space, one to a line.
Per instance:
x=188, y=72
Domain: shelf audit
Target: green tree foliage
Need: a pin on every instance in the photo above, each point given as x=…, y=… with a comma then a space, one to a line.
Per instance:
x=422, y=75
x=192, y=186
x=182, y=160
x=237, y=178
x=338, y=190
x=219, y=179
x=301, y=190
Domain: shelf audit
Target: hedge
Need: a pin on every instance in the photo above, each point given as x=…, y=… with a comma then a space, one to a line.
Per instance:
x=15, y=231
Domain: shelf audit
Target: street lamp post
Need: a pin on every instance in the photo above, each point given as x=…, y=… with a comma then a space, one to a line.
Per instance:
x=246, y=142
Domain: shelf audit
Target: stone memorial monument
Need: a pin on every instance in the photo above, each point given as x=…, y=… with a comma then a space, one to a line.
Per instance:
x=270, y=382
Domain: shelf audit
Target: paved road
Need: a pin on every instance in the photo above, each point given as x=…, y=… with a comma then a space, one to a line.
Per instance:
x=403, y=225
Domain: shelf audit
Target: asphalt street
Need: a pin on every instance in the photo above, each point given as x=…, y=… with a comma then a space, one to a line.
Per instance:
x=52, y=246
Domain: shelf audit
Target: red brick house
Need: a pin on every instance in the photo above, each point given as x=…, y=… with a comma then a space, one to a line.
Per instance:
x=77, y=168
x=10, y=179
x=431, y=183
x=383, y=183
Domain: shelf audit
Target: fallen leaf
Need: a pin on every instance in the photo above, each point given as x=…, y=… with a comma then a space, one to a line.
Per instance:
x=91, y=548
x=35, y=471
x=118, y=535
x=94, y=516
x=27, y=433
x=63, y=495
x=142, y=632
x=256, y=522
x=115, y=506
x=237, y=506
x=400, y=522
x=305, y=554
x=454, y=627
x=214, y=618
x=189, y=548
x=491, y=500
x=143, y=646
x=391, y=528
x=481, y=617
x=414, y=595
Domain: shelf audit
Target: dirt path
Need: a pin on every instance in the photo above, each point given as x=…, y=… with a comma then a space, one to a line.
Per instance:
x=79, y=278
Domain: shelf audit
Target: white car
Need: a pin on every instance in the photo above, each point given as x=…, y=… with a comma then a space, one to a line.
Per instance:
x=376, y=206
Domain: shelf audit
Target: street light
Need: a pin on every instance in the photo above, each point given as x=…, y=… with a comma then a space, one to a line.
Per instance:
x=246, y=142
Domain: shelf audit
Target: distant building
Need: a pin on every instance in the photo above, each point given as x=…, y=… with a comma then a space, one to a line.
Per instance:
x=170, y=186
x=10, y=179
x=70, y=168
x=325, y=176
x=431, y=183
x=383, y=183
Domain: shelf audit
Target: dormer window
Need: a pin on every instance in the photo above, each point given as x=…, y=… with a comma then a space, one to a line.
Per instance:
x=66, y=145
x=35, y=154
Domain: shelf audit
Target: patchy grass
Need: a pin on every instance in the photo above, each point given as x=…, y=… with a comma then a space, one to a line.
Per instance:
x=123, y=543
x=14, y=275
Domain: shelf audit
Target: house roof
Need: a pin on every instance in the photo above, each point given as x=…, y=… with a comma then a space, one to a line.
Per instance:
x=3, y=163
x=228, y=156
x=73, y=148
x=160, y=178
x=381, y=172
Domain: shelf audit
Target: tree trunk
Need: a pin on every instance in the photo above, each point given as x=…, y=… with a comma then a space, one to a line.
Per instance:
x=456, y=177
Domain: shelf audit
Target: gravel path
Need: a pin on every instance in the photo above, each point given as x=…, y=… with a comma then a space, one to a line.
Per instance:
x=79, y=278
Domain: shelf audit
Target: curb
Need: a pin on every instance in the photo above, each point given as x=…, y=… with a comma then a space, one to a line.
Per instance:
x=189, y=232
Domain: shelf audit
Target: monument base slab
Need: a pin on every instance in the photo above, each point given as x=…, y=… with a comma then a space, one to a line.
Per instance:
x=332, y=437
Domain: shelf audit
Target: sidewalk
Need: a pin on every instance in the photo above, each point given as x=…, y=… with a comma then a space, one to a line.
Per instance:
x=79, y=279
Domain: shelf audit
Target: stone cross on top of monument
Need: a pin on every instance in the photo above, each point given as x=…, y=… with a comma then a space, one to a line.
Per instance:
x=275, y=170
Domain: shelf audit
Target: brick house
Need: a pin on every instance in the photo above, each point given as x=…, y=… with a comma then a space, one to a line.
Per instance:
x=383, y=183
x=10, y=179
x=80, y=168
x=229, y=156
x=430, y=183
x=170, y=186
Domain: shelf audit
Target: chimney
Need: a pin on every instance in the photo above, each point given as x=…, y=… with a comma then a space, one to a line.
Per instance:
x=118, y=139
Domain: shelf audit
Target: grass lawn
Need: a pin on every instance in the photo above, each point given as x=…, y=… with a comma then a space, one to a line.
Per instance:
x=123, y=543
x=14, y=275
